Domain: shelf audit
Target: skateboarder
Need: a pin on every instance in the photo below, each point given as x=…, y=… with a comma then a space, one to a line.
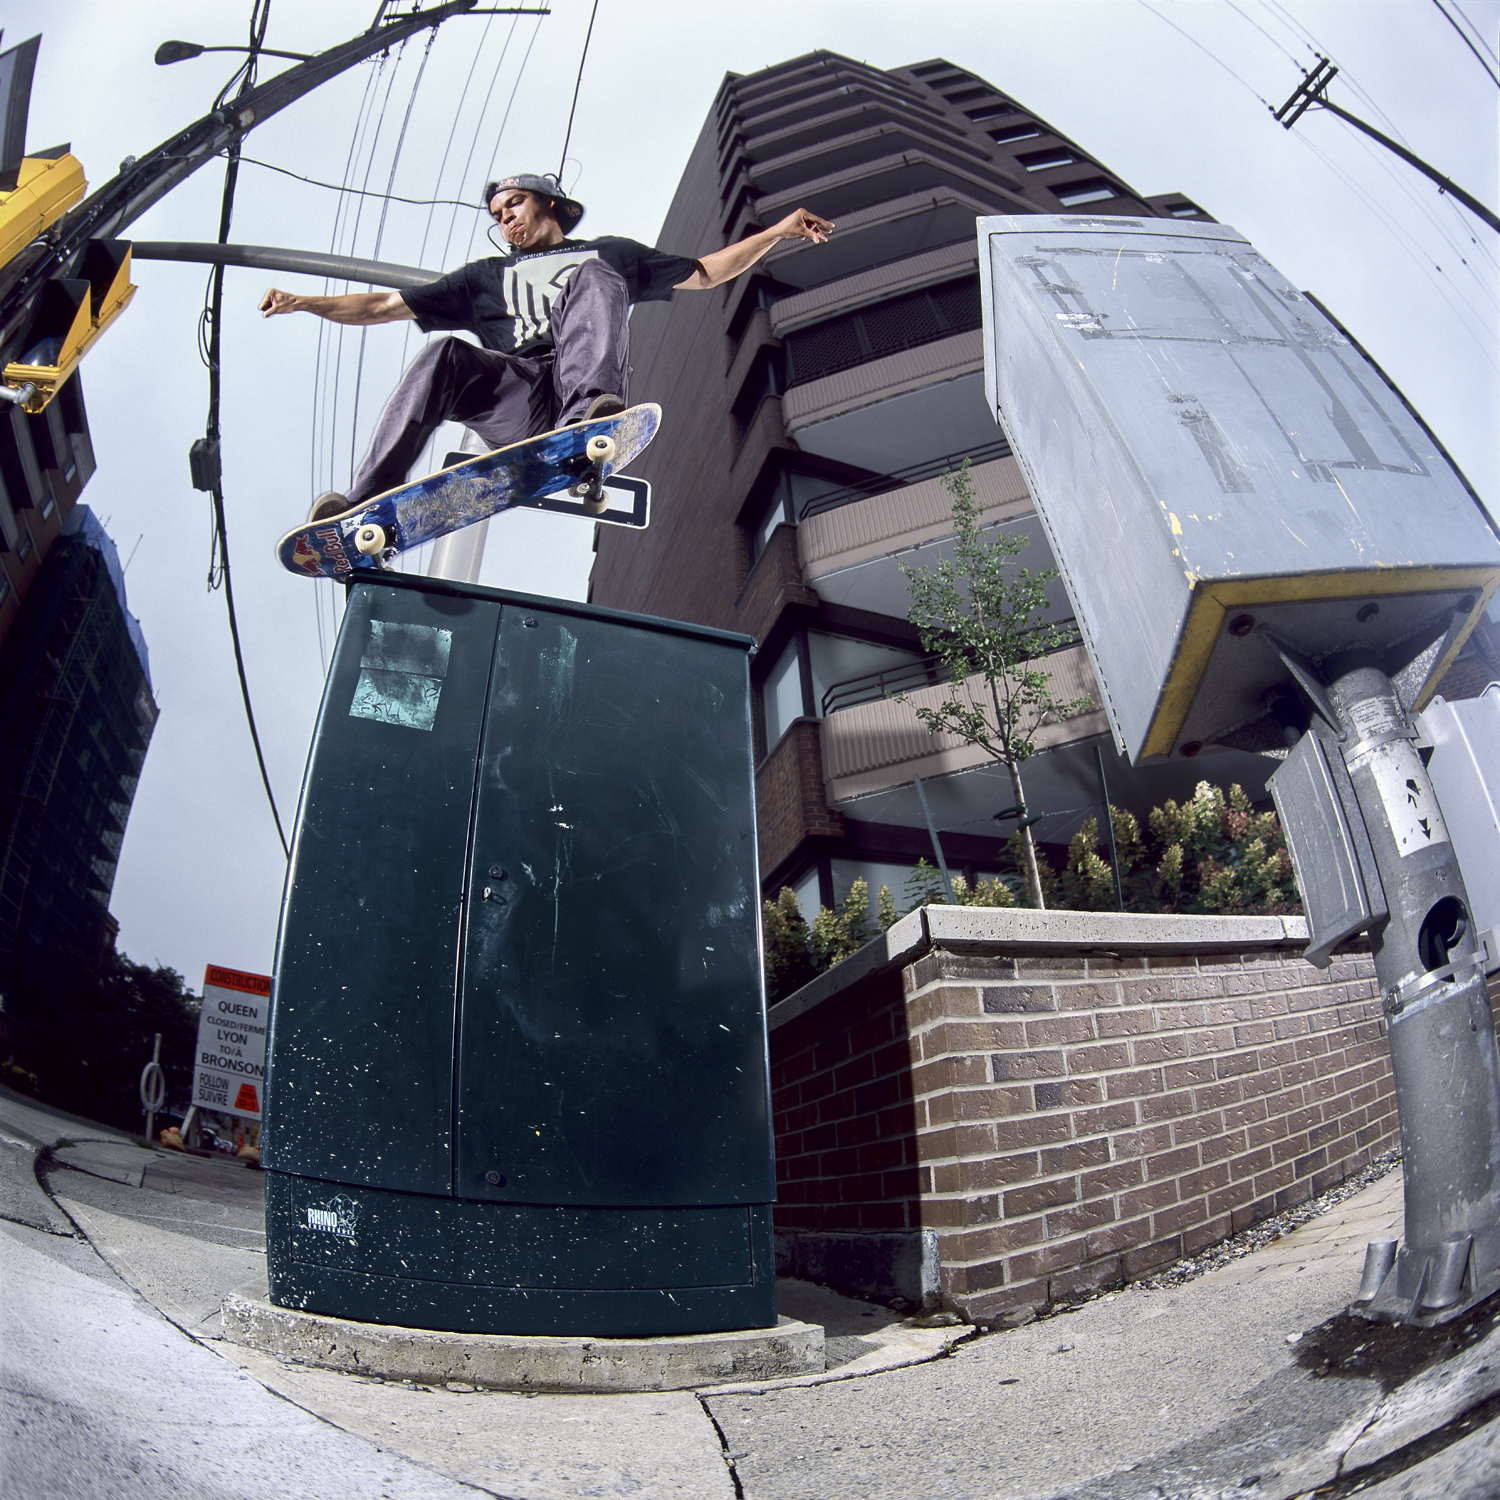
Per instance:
x=550, y=318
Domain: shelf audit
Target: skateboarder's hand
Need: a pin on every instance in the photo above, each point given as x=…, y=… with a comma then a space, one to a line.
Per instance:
x=802, y=225
x=277, y=302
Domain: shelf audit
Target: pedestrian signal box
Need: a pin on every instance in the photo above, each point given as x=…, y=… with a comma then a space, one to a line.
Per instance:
x=1227, y=481
x=517, y=1070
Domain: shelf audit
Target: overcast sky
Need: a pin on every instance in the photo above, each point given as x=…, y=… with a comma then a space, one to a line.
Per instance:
x=1172, y=96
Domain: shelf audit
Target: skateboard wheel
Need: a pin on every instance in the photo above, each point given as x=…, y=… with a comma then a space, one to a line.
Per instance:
x=596, y=507
x=370, y=540
x=600, y=450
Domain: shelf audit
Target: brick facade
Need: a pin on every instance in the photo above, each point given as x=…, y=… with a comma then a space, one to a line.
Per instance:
x=789, y=805
x=1063, y=1120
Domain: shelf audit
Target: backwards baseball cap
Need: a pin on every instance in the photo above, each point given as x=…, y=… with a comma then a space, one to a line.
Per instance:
x=569, y=210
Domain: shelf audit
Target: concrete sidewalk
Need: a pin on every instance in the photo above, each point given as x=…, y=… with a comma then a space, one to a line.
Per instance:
x=1247, y=1380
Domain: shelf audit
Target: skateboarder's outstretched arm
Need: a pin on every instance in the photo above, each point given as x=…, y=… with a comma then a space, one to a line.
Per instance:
x=733, y=260
x=355, y=307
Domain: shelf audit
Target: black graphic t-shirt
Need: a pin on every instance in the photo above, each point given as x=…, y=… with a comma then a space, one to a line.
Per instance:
x=505, y=301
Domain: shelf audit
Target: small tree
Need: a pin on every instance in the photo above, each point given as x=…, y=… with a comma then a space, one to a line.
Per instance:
x=982, y=616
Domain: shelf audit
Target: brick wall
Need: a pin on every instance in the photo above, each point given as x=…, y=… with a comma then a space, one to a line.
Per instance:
x=773, y=585
x=789, y=805
x=1062, y=1121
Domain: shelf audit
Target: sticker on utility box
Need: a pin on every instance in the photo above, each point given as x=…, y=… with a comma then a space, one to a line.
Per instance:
x=1406, y=793
x=338, y=1217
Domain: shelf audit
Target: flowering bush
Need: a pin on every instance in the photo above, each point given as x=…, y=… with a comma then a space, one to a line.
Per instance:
x=1212, y=853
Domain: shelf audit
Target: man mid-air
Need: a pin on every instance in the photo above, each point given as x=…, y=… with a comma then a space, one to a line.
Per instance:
x=550, y=317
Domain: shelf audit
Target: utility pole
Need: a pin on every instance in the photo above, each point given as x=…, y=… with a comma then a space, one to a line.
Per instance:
x=1312, y=92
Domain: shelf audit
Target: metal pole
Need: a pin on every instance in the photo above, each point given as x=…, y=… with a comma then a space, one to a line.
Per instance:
x=274, y=258
x=1430, y=967
x=1109, y=826
x=153, y=1087
x=937, y=848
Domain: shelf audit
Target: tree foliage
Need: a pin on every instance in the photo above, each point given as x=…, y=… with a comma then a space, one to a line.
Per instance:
x=106, y=1016
x=985, y=619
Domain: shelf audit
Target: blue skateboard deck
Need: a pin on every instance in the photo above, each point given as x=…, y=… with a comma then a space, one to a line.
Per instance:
x=552, y=471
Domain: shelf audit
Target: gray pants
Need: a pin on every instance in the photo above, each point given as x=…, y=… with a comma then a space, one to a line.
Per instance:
x=506, y=397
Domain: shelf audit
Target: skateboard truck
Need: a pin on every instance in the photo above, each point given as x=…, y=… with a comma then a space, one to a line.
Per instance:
x=373, y=542
x=599, y=453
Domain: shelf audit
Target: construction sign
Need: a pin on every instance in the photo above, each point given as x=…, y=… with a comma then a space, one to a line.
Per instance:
x=229, y=1072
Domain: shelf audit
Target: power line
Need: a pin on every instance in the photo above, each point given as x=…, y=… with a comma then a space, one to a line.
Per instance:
x=504, y=119
x=1476, y=30
x=479, y=125
x=1250, y=20
x=334, y=187
x=1467, y=43
x=1204, y=50
x=578, y=83
x=359, y=368
x=219, y=573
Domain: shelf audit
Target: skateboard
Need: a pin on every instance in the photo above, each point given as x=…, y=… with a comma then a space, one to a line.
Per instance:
x=567, y=470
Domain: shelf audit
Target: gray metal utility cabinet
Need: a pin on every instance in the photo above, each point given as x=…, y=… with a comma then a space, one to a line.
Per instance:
x=517, y=1076
x=1218, y=469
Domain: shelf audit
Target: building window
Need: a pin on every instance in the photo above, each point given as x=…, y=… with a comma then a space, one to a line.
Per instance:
x=947, y=80
x=1051, y=156
x=964, y=94
x=781, y=696
x=777, y=512
x=1090, y=190
x=991, y=111
x=4, y=587
x=1184, y=210
x=763, y=292
x=1012, y=133
x=765, y=378
x=932, y=67
x=23, y=539
x=903, y=322
x=808, y=892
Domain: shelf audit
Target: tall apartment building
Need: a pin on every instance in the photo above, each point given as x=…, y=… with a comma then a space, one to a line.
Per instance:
x=46, y=458
x=810, y=408
x=76, y=716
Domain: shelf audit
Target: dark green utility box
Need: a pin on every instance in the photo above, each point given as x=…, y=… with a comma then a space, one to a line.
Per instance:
x=517, y=1060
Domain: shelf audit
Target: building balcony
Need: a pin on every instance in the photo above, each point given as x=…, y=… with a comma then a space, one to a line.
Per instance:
x=900, y=272
x=839, y=192
x=852, y=555
x=860, y=147
x=899, y=410
x=869, y=241
x=876, y=747
x=852, y=113
x=838, y=92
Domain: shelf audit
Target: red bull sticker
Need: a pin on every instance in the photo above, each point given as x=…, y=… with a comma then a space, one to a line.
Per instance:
x=333, y=549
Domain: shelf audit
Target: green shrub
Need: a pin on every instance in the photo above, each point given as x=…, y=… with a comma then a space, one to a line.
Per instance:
x=1212, y=853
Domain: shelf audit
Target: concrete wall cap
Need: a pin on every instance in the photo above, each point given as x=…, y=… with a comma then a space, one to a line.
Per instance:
x=1006, y=931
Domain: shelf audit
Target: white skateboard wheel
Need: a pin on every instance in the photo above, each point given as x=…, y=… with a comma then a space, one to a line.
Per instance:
x=600, y=450
x=597, y=507
x=370, y=540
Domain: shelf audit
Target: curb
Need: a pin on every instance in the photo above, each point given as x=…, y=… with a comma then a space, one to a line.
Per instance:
x=523, y=1362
